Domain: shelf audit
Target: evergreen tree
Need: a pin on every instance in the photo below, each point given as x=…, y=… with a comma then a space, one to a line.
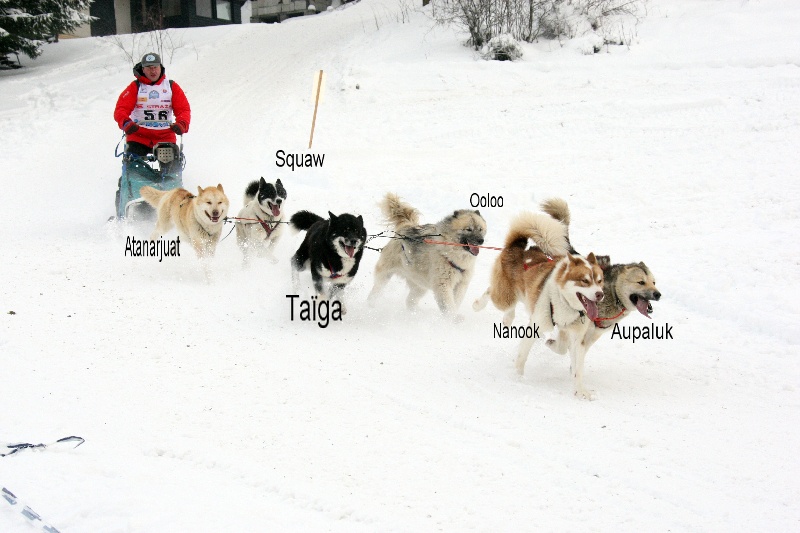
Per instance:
x=26, y=24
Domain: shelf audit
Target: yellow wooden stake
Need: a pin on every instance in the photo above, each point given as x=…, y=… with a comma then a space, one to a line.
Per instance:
x=316, y=105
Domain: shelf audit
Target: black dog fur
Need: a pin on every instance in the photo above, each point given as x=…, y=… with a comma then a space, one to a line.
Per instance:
x=332, y=249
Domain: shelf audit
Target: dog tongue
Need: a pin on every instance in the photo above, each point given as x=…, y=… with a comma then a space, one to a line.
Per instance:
x=350, y=250
x=275, y=210
x=474, y=249
x=642, y=305
x=590, y=306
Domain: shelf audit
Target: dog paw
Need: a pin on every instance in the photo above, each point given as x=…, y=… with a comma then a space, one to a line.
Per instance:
x=585, y=394
x=553, y=345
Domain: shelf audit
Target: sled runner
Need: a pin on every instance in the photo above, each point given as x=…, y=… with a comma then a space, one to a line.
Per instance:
x=161, y=169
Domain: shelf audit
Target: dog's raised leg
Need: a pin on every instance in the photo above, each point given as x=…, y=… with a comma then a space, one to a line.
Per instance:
x=318, y=281
x=559, y=343
x=336, y=294
x=481, y=302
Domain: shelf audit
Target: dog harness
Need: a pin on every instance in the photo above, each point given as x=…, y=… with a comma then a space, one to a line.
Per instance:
x=599, y=320
x=267, y=228
x=462, y=270
x=528, y=266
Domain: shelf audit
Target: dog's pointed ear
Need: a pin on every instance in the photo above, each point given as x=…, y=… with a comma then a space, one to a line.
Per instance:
x=360, y=220
x=277, y=182
x=199, y=190
x=604, y=261
x=219, y=186
x=478, y=213
x=331, y=216
x=262, y=183
x=591, y=258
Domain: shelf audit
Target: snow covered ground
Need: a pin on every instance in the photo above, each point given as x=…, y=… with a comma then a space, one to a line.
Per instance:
x=205, y=408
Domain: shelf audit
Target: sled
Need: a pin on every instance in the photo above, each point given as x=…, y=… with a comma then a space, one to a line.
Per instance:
x=162, y=169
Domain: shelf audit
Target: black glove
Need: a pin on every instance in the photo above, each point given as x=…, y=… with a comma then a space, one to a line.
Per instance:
x=129, y=127
x=176, y=128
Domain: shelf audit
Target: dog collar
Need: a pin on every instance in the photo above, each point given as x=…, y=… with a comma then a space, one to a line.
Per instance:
x=581, y=314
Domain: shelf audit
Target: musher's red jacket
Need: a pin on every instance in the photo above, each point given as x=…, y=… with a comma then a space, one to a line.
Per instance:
x=127, y=101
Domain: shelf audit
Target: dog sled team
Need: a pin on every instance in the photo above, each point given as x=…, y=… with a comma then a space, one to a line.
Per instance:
x=572, y=299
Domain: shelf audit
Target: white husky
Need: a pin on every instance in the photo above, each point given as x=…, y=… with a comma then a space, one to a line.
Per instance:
x=263, y=213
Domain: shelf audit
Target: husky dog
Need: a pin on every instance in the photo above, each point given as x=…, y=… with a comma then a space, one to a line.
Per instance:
x=263, y=209
x=445, y=270
x=558, y=288
x=627, y=287
x=199, y=218
x=332, y=250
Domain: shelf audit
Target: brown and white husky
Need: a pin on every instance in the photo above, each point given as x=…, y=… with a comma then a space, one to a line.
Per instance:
x=557, y=288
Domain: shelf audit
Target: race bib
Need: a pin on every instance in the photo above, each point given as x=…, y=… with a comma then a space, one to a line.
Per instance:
x=154, y=106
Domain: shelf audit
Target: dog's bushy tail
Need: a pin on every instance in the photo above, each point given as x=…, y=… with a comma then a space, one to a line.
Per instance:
x=251, y=191
x=303, y=220
x=549, y=234
x=398, y=213
x=151, y=195
x=558, y=209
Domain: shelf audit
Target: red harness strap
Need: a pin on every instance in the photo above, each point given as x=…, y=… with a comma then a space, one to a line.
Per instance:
x=599, y=320
x=266, y=226
x=527, y=266
x=334, y=275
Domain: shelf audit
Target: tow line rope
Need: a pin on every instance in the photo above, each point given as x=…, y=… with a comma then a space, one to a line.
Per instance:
x=254, y=220
x=445, y=243
x=235, y=220
x=12, y=499
x=398, y=236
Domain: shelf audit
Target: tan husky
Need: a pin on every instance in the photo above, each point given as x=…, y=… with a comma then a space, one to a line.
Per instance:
x=557, y=288
x=199, y=218
x=445, y=270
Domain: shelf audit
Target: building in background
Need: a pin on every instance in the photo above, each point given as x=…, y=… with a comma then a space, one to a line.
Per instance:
x=280, y=10
x=133, y=16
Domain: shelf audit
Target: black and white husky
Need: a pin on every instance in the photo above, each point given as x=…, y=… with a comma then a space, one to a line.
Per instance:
x=263, y=213
x=332, y=250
